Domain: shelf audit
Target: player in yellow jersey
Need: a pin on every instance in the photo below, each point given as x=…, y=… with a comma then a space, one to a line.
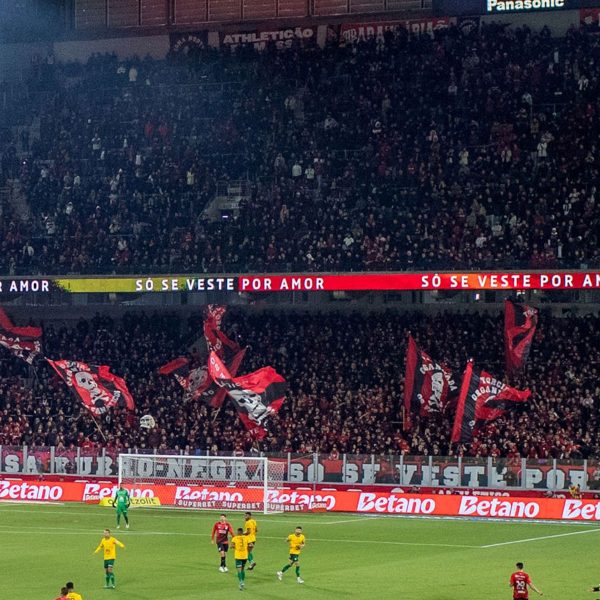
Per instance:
x=240, y=547
x=251, y=531
x=71, y=593
x=296, y=542
x=109, y=545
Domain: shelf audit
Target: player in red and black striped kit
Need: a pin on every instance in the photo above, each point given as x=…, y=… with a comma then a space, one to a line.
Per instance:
x=520, y=582
x=220, y=535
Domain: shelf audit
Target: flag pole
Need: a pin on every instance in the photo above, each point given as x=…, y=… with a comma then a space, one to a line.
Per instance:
x=98, y=428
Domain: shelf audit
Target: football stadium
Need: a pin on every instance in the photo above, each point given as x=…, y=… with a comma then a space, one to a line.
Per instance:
x=299, y=298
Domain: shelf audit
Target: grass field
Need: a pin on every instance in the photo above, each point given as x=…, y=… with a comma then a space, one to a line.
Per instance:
x=169, y=556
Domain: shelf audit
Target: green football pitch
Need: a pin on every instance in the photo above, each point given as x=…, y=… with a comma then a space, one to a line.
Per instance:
x=168, y=556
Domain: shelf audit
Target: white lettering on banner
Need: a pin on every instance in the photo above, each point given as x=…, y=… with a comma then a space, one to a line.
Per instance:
x=177, y=284
x=518, y=5
x=576, y=509
x=281, y=38
x=25, y=491
x=371, y=502
x=25, y=285
x=203, y=494
x=93, y=490
x=470, y=505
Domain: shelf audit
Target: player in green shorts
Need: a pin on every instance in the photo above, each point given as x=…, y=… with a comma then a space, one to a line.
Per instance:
x=122, y=502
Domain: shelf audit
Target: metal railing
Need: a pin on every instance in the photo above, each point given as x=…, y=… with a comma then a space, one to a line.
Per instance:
x=349, y=469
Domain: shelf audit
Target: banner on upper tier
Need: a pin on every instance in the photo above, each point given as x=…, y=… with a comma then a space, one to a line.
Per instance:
x=306, y=282
x=353, y=32
x=232, y=498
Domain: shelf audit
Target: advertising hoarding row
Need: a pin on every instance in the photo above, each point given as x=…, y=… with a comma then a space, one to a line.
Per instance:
x=286, y=500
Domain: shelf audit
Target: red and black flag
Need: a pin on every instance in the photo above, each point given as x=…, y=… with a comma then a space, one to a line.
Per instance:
x=216, y=340
x=23, y=342
x=257, y=396
x=97, y=388
x=482, y=398
x=520, y=322
x=428, y=386
x=197, y=383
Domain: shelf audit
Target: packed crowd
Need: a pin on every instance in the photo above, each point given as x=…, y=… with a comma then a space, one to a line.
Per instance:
x=345, y=372
x=474, y=150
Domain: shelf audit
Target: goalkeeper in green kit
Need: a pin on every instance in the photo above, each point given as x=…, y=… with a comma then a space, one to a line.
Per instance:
x=122, y=501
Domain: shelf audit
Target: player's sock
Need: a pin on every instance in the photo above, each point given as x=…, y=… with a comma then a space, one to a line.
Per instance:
x=250, y=557
x=222, y=561
x=285, y=568
x=107, y=580
x=126, y=519
x=243, y=575
x=113, y=580
x=297, y=571
x=240, y=577
x=118, y=519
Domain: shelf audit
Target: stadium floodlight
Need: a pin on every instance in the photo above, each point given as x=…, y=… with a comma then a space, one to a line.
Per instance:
x=205, y=482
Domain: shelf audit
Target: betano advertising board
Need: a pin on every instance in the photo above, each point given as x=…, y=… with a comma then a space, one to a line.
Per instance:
x=298, y=500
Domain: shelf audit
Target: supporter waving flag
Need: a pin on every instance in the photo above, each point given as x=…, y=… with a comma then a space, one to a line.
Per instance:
x=216, y=340
x=257, y=396
x=520, y=322
x=98, y=389
x=482, y=398
x=197, y=383
x=428, y=386
x=23, y=342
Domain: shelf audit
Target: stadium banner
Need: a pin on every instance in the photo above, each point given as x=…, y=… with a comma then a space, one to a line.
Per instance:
x=444, y=473
x=353, y=32
x=232, y=498
x=185, y=44
x=280, y=39
x=501, y=7
x=306, y=282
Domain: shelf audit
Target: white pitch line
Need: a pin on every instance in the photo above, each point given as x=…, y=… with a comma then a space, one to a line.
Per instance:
x=129, y=533
x=544, y=537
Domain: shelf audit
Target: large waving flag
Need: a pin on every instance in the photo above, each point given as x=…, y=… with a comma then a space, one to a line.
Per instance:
x=197, y=383
x=482, y=398
x=257, y=396
x=94, y=385
x=428, y=386
x=24, y=342
x=520, y=322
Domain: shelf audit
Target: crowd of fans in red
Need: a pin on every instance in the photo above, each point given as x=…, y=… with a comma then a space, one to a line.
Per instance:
x=345, y=372
x=474, y=150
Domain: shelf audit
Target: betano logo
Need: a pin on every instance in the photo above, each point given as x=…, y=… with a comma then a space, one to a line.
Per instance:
x=95, y=491
x=497, y=508
x=370, y=502
x=25, y=491
x=496, y=6
x=576, y=509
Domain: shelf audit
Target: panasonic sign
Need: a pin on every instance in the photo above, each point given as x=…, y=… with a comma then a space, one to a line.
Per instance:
x=502, y=6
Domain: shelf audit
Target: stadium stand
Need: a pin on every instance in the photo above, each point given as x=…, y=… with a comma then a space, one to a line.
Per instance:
x=346, y=377
x=453, y=152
